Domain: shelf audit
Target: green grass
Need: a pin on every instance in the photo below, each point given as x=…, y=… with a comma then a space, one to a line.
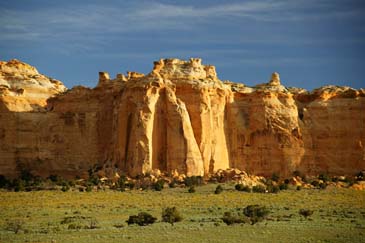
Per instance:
x=339, y=216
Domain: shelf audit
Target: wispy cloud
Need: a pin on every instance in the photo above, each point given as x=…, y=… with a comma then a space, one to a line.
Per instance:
x=246, y=9
x=85, y=21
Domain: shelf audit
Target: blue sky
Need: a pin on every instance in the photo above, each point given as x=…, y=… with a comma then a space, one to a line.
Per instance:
x=310, y=43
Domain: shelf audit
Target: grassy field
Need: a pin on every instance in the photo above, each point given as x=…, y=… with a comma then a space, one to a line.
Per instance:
x=339, y=216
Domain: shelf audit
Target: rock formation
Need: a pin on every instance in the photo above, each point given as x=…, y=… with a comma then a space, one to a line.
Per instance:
x=178, y=118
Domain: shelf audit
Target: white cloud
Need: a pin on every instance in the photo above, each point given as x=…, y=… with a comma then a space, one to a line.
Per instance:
x=95, y=24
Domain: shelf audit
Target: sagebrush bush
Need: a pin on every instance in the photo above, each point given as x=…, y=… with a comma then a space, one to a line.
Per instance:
x=256, y=213
x=283, y=186
x=65, y=188
x=89, y=188
x=324, y=177
x=142, y=219
x=242, y=188
x=273, y=189
x=360, y=176
x=191, y=189
x=259, y=189
x=250, y=214
x=18, y=185
x=322, y=185
x=121, y=184
x=275, y=177
x=158, y=186
x=306, y=212
x=315, y=183
x=4, y=182
x=171, y=215
x=173, y=184
x=218, y=189
x=234, y=218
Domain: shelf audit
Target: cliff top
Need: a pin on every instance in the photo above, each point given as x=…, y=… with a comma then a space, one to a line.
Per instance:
x=21, y=79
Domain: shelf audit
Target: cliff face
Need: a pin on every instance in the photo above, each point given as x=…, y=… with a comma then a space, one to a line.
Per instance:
x=22, y=88
x=180, y=117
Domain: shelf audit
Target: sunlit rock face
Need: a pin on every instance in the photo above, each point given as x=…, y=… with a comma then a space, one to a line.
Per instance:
x=180, y=117
x=22, y=88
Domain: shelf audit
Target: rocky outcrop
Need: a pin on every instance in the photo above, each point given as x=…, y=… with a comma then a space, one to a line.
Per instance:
x=22, y=88
x=179, y=118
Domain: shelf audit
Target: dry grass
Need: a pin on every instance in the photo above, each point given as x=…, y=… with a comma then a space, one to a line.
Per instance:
x=339, y=216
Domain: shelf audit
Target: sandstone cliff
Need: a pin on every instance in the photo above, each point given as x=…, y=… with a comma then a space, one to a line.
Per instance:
x=180, y=117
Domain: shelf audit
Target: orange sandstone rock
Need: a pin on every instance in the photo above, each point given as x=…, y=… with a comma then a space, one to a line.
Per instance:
x=181, y=119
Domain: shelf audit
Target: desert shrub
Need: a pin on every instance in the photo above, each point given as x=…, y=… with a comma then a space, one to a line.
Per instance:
x=256, y=213
x=173, y=184
x=122, y=188
x=142, y=219
x=80, y=222
x=75, y=226
x=273, y=188
x=349, y=180
x=275, y=177
x=121, y=184
x=324, y=177
x=360, y=176
x=193, y=181
x=283, y=186
x=65, y=188
x=93, y=224
x=71, y=183
x=234, y=218
x=158, y=186
x=131, y=185
x=322, y=185
x=319, y=185
x=122, y=179
x=306, y=212
x=250, y=214
x=191, y=189
x=171, y=215
x=73, y=219
x=4, y=182
x=315, y=183
x=94, y=179
x=267, y=181
x=14, y=225
x=26, y=175
x=242, y=188
x=18, y=185
x=89, y=188
x=259, y=189
x=218, y=189
x=25, y=182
